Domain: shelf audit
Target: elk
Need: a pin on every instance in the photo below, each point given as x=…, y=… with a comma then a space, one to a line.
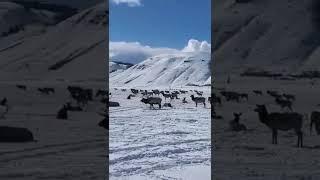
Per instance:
x=166, y=95
x=46, y=90
x=257, y=92
x=63, y=113
x=184, y=100
x=274, y=94
x=152, y=101
x=134, y=91
x=198, y=100
x=289, y=96
x=23, y=87
x=230, y=95
x=156, y=92
x=235, y=125
x=281, y=121
x=244, y=96
x=105, y=121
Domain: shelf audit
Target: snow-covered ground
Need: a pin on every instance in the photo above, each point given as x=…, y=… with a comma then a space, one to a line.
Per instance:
x=170, y=143
x=65, y=149
x=249, y=154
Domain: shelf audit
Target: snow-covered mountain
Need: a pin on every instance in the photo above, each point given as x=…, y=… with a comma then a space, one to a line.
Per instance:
x=267, y=34
x=167, y=70
x=118, y=66
x=15, y=18
x=74, y=49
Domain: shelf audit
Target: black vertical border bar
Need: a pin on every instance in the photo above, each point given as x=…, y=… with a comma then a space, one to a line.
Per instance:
x=212, y=74
x=108, y=90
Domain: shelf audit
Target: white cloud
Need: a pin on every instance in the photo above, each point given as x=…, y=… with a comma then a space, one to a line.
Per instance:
x=134, y=52
x=197, y=46
x=130, y=3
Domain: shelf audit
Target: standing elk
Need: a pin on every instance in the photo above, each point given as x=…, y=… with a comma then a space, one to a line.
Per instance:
x=198, y=100
x=281, y=121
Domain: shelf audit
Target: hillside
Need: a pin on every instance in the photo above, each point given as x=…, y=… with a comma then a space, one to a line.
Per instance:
x=167, y=70
x=64, y=51
x=281, y=36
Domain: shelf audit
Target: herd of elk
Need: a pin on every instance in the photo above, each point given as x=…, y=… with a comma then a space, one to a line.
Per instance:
x=153, y=97
x=276, y=121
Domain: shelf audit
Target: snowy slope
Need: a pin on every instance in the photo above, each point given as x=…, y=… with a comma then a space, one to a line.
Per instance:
x=15, y=16
x=118, y=66
x=166, y=70
x=76, y=43
x=275, y=35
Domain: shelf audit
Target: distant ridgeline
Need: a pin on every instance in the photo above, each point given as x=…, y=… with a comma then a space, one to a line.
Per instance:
x=63, y=11
x=123, y=63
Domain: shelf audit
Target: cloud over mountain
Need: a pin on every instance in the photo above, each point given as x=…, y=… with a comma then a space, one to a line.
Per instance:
x=135, y=52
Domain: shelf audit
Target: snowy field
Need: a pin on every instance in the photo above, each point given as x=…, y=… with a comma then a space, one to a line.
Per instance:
x=250, y=155
x=170, y=143
x=65, y=149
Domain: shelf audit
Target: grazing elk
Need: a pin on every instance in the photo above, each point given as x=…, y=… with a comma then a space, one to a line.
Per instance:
x=257, y=92
x=274, y=94
x=105, y=121
x=198, y=100
x=134, y=91
x=315, y=119
x=152, y=101
x=46, y=90
x=167, y=105
x=166, y=95
x=183, y=92
x=235, y=125
x=174, y=95
x=63, y=113
x=244, y=96
x=23, y=87
x=199, y=93
x=184, y=101
x=289, y=96
x=15, y=134
x=130, y=95
x=4, y=102
x=229, y=95
x=281, y=121
x=156, y=92
x=101, y=93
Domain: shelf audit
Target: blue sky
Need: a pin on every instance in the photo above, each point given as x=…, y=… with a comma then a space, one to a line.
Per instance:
x=160, y=23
